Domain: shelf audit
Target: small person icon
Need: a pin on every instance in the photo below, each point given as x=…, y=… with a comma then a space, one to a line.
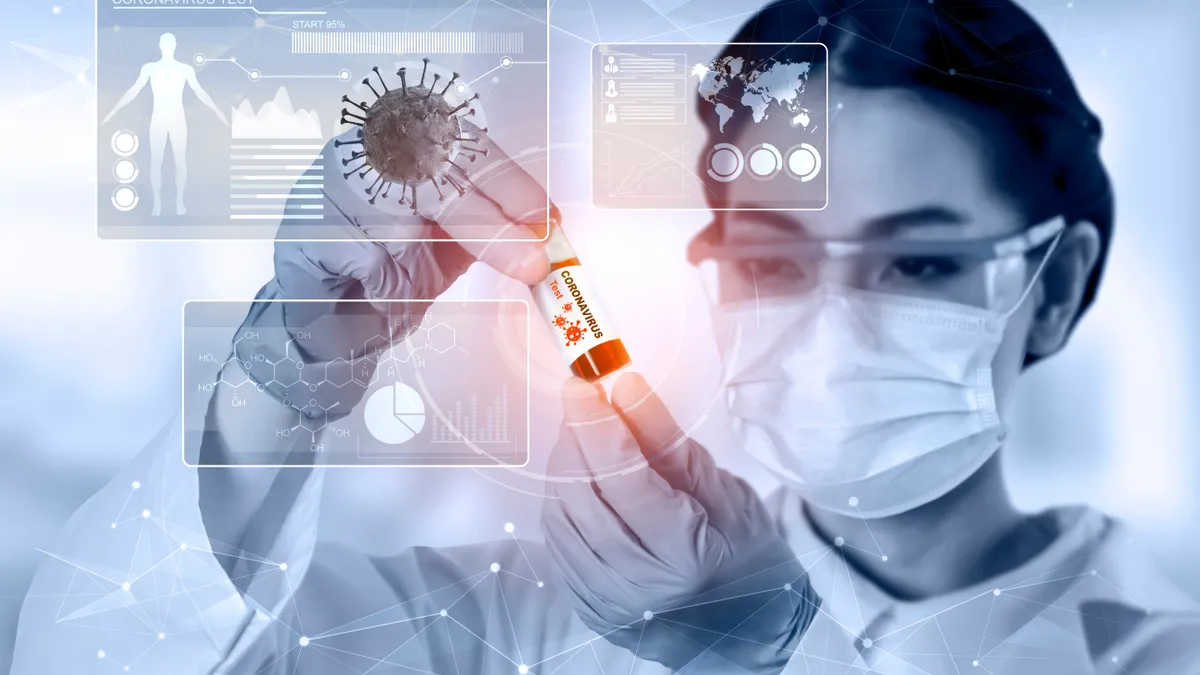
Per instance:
x=611, y=92
x=611, y=67
x=610, y=115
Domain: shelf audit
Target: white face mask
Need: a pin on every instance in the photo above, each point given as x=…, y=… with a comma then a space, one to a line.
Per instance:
x=866, y=404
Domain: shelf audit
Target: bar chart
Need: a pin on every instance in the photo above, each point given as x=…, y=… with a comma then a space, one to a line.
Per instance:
x=467, y=423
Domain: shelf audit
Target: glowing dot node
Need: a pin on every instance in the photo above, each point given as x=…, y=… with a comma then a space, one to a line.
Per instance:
x=953, y=71
x=508, y=527
x=495, y=567
x=162, y=636
x=100, y=654
x=821, y=21
x=787, y=587
x=443, y=613
x=146, y=513
x=259, y=22
x=137, y=484
x=283, y=567
x=114, y=526
x=647, y=615
x=522, y=669
x=343, y=75
x=506, y=62
x=974, y=663
x=541, y=583
x=304, y=642
x=1114, y=659
x=56, y=9
x=125, y=586
x=885, y=558
x=867, y=643
x=199, y=59
x=853, y=501
x=183, y=547
x=839, y=541
x=996, y=591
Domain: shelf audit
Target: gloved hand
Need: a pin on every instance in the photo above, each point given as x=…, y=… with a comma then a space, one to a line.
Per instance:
x=661, y=552
x=344, y=337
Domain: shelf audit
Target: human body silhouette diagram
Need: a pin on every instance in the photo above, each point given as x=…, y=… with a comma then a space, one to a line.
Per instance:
x=167, y=78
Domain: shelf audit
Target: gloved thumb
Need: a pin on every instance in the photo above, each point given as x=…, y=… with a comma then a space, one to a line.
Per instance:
x=682, y=462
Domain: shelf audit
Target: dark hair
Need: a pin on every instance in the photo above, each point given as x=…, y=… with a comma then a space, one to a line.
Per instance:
x=990, y=56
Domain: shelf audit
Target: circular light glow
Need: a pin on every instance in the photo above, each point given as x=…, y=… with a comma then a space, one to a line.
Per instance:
x=124, y=143
x=125, y=198
x=506, y=62
x=765, y=161
x=803, y=164
x=343, y=75
x=254, y=75
x=126, y=171
x=725, y=162
x=198, y=59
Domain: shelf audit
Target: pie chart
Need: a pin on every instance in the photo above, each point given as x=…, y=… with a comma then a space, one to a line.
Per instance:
x=394, y=414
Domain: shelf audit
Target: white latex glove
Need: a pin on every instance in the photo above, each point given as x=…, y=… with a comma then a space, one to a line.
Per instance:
x=669, y=556
x=365, y=268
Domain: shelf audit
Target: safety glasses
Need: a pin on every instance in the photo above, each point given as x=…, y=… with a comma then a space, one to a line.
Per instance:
x=989, y=273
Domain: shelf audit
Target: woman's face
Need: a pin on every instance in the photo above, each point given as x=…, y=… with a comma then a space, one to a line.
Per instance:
x=897, y=167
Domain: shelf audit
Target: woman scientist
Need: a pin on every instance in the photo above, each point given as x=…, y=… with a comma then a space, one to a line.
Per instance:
x=870, y=353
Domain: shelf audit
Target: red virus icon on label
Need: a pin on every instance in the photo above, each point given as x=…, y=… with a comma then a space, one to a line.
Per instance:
x=560, y=321
x=567, y=307
x=573, y=333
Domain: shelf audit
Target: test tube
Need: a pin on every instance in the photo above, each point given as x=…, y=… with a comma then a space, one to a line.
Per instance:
x=585, y=334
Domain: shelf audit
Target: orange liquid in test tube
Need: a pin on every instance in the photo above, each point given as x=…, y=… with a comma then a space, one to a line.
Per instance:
x=584, y=332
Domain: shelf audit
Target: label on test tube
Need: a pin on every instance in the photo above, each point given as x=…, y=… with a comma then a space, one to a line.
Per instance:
x=577, y=322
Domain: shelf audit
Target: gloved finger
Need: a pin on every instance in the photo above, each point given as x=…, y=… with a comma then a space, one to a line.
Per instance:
x=501, y=179
x=574, y=487
x=597, y=591
x=473, y=218
x=607, y=566
x=682, y=462
x=667, y=522
x=481, y=227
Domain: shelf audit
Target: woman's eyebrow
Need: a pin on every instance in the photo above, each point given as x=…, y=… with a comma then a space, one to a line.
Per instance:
x=877, y=227
x=931, y=214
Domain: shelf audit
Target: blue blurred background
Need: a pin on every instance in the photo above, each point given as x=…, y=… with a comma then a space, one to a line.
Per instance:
x=89, y=329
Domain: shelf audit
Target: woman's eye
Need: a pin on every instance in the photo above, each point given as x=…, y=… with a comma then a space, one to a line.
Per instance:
x=926, y=268
x=770, y=270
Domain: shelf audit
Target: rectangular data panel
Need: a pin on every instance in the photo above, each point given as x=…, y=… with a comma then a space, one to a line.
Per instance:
x=699, y=126
x=453, y=392
x=311, y=120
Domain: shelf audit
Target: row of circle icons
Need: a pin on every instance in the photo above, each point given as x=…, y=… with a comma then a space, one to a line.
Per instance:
x=125, y=143
x=764, y=161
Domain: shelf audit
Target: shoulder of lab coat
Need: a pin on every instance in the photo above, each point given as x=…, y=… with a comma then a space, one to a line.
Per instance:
x=1135, y=620
x=135, y=581
x=333, y=609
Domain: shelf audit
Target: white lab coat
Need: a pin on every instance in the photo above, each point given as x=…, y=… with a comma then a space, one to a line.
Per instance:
x=135, y=584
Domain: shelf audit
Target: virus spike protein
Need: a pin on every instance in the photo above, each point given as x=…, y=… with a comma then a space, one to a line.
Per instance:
x=412, y=136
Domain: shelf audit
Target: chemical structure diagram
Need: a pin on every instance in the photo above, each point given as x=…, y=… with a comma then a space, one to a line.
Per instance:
x=299, y=379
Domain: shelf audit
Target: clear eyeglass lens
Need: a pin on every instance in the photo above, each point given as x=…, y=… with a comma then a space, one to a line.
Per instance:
x=993, y=284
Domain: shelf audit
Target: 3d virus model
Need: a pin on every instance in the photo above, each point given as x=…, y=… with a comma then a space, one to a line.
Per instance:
x=410, y=136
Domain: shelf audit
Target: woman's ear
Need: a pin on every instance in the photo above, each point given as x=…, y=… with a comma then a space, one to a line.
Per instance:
x=1063, y=283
